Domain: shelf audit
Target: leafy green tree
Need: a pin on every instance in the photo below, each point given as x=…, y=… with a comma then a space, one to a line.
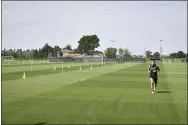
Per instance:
x=35, y=54
x=173, y=55
x=61, y=53
x=121, y=52
x=127, y=53
x=156, y=55
x=40, y=54
x=140, y=56
x=68, y=47
x=111, y=52
x=88, y=43
x=148, y=53
x=56, y=50
x=46, y=50
x=180, y=54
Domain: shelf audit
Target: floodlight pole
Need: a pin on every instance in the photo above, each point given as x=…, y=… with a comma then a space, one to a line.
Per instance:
x=161, y=48
x=112, y=49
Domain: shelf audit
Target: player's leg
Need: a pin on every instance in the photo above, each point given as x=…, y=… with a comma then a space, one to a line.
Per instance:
x=152, y=84
x=155, y=85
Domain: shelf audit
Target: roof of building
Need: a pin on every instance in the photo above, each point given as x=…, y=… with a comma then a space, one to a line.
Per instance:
x=67, y=51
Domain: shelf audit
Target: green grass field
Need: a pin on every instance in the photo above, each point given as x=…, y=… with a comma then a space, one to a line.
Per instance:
x=104, y=94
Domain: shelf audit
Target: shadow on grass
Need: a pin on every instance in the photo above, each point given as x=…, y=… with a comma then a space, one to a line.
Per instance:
x=42, y=123
x=164, y=91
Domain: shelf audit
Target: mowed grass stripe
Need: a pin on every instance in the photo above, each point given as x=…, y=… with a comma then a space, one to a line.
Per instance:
x=15, y=64
x=33, y=73
x=27, y=64
x=14, y=90
x=93, y=73
x=178, y=84
x=47, y=66
x=88, y=102
x=46, y=63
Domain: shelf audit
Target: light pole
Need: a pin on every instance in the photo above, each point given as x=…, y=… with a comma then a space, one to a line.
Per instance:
x=112, y=49
x=161, y=49
x=145, y=52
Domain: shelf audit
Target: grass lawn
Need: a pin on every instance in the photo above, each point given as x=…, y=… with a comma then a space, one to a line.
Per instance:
x=104, y=94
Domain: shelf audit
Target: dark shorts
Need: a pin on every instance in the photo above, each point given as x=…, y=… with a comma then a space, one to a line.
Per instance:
x=154, y=79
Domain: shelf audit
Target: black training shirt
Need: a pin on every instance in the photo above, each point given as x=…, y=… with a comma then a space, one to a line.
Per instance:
x=153, y=68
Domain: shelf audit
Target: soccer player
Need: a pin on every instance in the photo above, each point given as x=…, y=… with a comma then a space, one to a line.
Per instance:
x=153, y=69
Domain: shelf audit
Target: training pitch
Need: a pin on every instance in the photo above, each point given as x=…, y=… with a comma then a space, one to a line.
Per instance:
x=92, y=93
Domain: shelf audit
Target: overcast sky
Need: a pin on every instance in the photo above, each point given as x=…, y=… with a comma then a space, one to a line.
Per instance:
x=136, y=25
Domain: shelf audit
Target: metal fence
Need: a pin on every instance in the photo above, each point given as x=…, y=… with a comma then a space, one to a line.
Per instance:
x=175, y=60
x=123, y=60
x=95, y=59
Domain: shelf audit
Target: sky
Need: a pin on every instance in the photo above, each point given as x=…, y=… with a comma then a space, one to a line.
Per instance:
x=136, y=25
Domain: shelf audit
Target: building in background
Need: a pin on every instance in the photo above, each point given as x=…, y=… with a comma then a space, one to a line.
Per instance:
x=72, y=54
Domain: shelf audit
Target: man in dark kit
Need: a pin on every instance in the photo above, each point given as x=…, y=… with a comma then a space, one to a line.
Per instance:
x=153, y=69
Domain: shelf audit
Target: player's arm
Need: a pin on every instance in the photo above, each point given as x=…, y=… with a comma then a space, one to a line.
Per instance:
x=149, y=68
x=158, y=69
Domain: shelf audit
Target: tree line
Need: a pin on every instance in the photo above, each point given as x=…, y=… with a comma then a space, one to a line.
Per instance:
x=179, y=54
x=86, y=45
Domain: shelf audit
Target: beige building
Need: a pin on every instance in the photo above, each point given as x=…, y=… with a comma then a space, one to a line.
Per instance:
x=69, y=53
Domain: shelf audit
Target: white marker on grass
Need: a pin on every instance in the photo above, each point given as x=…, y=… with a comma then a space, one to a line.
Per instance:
x=91, y=67
x=80, y=68
x=24, y=77
x=54, y=68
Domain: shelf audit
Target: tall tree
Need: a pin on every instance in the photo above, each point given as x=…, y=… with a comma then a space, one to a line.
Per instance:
x=156, y=55
x=10, y=52
x=140, y=56
x=148, y=53
x=88, y=43
x=121, y=52
x=180, y=54
x=68, y=47
x=35, y=54
x=110, y=52
x=56, y=50
x=127, y=53
x=3, y=52
x=173, y=55
x=15, y=55
x=61, y=53
x=47, y=50
x=40, y=54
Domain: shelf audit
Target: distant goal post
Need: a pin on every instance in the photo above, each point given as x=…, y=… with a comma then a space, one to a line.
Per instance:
x=96, y=59
x=7, y=58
